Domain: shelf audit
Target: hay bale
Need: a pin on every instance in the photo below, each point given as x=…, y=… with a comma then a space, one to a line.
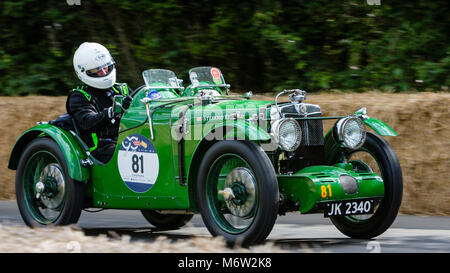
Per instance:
x=420, y=119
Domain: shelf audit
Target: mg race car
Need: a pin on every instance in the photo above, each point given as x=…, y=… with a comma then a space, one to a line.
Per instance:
x=238, y=162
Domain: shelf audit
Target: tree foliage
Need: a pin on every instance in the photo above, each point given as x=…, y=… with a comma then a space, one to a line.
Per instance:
x=261, y=46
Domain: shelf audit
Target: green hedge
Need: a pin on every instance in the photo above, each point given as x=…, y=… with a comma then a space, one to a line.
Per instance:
x=261, y=46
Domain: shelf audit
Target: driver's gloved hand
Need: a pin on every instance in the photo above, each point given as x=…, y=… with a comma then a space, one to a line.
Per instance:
x=115, y=111
x=126, y=102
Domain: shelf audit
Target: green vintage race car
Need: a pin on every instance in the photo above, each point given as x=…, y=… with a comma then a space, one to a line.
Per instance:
x=238, y=162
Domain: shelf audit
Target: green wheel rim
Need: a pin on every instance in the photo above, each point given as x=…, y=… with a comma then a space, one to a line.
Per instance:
x=223, y=217
x=43, y=167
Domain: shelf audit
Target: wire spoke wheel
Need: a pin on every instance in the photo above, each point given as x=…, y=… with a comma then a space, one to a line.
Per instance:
x=46, y=195
x=228, y=175
x=237, y=192
x=45, y=203
x=376, y=155
x=363, y=161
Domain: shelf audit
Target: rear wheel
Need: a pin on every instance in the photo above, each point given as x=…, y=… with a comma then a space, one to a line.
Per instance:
x=237, y=192
x=376, y=155
x=166, y=221
x=46, y=195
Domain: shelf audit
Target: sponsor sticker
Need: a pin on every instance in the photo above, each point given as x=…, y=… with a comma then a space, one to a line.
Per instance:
x=138, y=163
x=154, y=95
x=215, y=73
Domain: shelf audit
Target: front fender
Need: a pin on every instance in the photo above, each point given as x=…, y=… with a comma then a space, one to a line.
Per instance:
x=72, y=151
x=379, y=126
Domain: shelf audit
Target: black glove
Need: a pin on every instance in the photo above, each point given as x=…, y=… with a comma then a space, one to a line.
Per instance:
x=115, y=111
x=126, y=102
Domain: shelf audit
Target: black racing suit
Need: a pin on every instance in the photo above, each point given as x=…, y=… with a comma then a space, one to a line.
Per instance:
x=89, y=108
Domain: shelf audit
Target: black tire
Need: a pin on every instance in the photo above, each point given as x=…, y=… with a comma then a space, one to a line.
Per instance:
x=166, y=221
x=262, y=212
x=387, y=210
x=36, y=159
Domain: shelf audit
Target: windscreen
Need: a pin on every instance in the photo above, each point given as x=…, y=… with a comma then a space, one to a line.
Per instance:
x=160, y=78
x=206, y=75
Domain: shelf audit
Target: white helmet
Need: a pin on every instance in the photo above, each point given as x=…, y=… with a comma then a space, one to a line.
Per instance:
x=94, y=65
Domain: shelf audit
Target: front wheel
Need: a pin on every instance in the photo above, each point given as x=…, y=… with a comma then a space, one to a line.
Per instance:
x=46, y=195
x=237, y=192
x=376, y=155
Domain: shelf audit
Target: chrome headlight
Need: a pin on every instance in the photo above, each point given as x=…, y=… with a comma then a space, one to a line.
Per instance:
x=288, y=133
x=350, y=132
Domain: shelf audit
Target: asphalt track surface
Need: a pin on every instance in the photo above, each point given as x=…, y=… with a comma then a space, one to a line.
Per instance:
x=293, y=232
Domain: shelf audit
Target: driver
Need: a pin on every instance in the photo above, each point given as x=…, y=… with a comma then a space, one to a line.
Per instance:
x=91, y=104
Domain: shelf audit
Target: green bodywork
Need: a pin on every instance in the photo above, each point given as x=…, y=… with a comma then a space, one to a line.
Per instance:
x=156, y=120
x=71, y=149
x=379, y=127
x=167, y=193
x=105, y=184
x=306, y=185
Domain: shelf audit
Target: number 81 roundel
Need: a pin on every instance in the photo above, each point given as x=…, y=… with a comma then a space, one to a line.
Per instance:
x=138, y=163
